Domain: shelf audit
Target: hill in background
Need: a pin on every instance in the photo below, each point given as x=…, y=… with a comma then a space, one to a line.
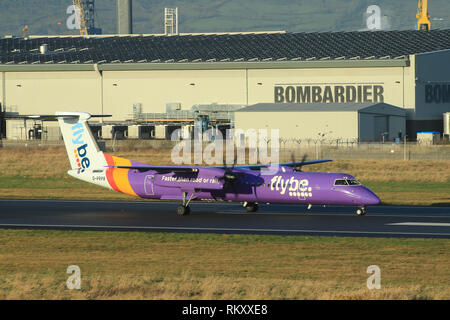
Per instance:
x=223, y=15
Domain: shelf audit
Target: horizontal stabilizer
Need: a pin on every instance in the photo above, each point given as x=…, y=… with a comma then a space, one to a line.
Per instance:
x=284, y=164
x=67, y=115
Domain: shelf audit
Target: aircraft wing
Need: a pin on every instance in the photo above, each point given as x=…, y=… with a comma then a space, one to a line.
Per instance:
x=284, y=164
x=160, y=168
x=185, y=169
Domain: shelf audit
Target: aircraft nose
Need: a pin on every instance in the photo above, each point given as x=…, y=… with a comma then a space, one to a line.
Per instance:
x=369, y=198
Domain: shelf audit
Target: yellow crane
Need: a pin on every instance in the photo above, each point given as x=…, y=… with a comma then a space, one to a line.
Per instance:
x=83, y=25
x=423, y=18
x=24, y=31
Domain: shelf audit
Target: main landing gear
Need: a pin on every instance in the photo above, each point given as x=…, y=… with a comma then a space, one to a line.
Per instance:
x=361, y=211
x=251, y=206
x=184, y=209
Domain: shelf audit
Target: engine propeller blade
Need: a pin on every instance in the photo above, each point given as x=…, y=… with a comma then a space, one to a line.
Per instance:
x=299, y=167
x=230, y=178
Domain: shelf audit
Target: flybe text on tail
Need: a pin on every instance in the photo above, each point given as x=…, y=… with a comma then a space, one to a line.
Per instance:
x=80, y=150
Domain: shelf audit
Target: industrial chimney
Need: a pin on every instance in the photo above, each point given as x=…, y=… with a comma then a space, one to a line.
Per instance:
x=124, y=17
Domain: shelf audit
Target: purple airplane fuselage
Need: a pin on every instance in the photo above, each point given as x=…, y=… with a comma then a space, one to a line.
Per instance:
x=285, y=186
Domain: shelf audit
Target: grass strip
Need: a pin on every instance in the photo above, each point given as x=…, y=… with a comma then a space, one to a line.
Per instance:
x=127, y=265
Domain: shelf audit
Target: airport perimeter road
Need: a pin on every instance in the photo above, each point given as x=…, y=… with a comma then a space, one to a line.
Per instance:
x=380, y=221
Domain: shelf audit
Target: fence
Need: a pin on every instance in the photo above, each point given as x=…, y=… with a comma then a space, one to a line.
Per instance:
x=371, y=151
x=313, y=149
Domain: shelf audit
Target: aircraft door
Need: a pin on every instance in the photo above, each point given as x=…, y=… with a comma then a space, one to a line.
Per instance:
x=149, y=185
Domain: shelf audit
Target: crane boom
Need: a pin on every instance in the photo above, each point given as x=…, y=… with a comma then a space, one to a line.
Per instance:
x=423, y=18
x=24, y=31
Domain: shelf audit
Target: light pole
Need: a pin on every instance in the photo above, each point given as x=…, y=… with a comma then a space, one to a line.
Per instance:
x=404, y=148
x=1, y=124
x=383, y=135
x=322, y=138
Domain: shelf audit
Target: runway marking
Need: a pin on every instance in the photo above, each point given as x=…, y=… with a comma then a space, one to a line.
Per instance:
x=330, y=214
x=420, y=224
x=224, y=229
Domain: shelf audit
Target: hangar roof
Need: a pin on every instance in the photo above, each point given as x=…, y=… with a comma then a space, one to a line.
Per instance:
x=257, y=47
x=371, y=107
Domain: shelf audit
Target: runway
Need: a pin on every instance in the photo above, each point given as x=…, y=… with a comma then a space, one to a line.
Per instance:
x=226, y=218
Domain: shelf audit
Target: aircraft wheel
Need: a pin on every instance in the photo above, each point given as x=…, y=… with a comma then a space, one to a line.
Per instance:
x=183, y=211
x=361, y=211
x=251, y=207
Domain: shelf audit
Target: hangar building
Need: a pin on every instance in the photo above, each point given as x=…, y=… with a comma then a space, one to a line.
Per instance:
x=356, y=121
x=110, y=74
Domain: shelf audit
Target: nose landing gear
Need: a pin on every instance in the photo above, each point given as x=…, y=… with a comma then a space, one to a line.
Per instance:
x=361, y=211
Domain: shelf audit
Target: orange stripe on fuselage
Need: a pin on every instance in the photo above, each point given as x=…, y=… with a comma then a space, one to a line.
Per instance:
x=109, y=172
x=119, y=177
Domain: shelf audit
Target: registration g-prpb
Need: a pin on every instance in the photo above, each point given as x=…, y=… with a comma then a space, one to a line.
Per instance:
x=247, y=309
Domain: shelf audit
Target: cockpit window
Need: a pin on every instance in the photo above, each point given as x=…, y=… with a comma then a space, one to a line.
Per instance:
x=347, y=182
x=340, y=182
x=353, y=182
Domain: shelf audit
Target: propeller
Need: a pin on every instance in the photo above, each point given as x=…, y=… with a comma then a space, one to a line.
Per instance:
x=229, y=178
x=299, y=167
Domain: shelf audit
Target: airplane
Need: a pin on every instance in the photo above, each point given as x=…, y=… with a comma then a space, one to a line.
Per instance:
x=246, y=184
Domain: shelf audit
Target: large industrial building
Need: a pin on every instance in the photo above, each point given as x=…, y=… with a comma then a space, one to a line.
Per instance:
x=147, y=79
x=346, y=122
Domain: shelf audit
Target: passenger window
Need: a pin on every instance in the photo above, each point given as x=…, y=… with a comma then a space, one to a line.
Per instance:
x=353, y=182
x=340, y=182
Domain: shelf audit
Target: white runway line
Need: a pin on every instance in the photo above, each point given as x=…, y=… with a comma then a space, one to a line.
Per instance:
x=330, y=214
x=420, y=224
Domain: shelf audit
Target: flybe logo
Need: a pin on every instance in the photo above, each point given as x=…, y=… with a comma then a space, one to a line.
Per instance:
x=80, y=148
x=291, y=187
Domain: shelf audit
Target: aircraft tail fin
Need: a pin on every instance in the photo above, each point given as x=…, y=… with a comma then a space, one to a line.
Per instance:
x=82, y=149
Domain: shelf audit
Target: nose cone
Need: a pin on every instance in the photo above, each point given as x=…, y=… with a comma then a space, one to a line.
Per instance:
x=369, y=198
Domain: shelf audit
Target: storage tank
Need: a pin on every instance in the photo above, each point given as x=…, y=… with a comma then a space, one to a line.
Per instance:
x=447, y=124
x=43, y=48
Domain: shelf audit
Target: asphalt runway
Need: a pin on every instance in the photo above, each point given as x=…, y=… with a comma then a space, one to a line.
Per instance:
x=380, y=221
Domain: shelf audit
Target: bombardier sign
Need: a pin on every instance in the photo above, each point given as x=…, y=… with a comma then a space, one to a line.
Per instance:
x=328, y=93
x=438, y=93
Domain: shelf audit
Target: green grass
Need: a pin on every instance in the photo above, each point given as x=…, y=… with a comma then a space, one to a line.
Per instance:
x=14, y=182
x=131, y=265
x=406, y=186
